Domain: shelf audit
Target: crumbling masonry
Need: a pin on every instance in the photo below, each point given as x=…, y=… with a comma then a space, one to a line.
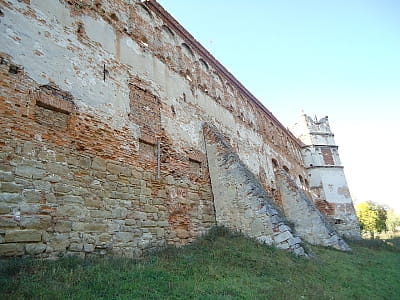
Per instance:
x=120, y=133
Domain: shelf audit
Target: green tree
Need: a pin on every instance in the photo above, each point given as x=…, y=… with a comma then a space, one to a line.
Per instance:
x=392, y=221
x=382, y=217
x=372, y=217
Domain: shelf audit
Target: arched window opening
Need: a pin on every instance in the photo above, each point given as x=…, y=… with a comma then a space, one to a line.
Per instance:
x=168, y=32
x=145, y=12
x=204, y=65
x=188, y=51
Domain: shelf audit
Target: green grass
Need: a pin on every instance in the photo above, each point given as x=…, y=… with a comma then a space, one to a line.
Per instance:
x=221, y=265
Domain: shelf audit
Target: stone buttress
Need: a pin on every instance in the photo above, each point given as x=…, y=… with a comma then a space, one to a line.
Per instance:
x=242, y=204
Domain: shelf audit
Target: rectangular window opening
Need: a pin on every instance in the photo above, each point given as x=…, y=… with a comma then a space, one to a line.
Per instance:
x=147, y=150
x=194, y=166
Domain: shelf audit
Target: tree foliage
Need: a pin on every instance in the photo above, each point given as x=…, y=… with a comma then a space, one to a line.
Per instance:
x=372, y=217
x=392, y=221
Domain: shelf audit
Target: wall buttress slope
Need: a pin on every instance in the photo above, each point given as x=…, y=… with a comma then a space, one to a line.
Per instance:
x=241, y=203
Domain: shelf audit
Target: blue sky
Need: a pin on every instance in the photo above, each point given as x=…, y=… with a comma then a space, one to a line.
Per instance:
x=337, y=58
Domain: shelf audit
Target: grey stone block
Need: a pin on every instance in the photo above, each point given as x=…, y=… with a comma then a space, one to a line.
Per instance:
x=34, y=249
x=99, y=164
x=23, y=236
x=32, y=196
x=29, y=172
x=6, y=176
x=10, y=187
x=11, y=249
x=284, y=236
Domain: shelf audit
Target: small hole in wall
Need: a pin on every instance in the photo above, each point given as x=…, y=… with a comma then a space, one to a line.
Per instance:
x=275, y=164
x=144, y=40
x=14, y=69
x=1, y=13
x=114, y=17
x=173, y=110
x=80, y=31
x=80, y=28
x=80, y=147
x=3, y=61
x=338, y=221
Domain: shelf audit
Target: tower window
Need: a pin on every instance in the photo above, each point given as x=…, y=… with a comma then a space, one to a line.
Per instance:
x=327, y=155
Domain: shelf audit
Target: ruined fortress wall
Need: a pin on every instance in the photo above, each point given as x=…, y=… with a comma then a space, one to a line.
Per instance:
x=101, y=146
x=70, y=182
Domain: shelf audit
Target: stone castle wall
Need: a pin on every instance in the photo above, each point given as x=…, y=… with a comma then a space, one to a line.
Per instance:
x=70, y=183
x=101, y=142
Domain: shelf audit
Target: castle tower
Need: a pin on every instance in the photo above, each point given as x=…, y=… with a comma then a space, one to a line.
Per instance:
x=326, y=179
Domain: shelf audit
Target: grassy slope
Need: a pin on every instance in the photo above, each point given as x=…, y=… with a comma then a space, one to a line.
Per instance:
x=219, y=266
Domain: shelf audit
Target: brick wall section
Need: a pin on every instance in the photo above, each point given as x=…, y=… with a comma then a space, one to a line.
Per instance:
x=145, y=110
x=325, y=207
x=51, y=118
x=343, y=217
x=86, y=188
